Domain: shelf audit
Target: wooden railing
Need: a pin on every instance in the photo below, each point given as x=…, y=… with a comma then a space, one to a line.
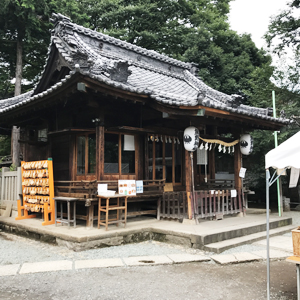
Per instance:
x=218, y=203
x=174, y=205
x=210, y=204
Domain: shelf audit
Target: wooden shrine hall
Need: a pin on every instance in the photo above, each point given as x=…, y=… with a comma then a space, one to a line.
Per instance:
x=106, y=110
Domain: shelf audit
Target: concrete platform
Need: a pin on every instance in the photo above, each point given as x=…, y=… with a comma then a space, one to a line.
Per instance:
x=191, y=234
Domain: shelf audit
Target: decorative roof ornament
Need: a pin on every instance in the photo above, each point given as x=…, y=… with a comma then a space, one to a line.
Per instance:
x=120, y=72
x=236, y=101
x=58, y=18
x=201, y=96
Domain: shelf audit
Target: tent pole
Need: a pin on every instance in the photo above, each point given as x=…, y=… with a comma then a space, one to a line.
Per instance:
x=268, y=234
x=276, y=144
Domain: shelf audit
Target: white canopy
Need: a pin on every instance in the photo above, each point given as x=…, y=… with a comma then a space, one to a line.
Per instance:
x=286, y=155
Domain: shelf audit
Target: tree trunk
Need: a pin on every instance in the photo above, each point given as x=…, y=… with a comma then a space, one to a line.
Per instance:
x=16, y=130
x=19, y=67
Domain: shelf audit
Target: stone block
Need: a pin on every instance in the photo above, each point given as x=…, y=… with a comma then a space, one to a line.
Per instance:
x=246, y=257
x=8, y=270
x=224, y=259
x=178, y=240
x=46, y=266
x=147, y=260
x=137, y=237
x=185, y=257
x=99, y=263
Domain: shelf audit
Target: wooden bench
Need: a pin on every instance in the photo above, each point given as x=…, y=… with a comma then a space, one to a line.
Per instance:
x=86, y=192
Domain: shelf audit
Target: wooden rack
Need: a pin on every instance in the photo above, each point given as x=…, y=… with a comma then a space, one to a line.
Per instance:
x=37, y=191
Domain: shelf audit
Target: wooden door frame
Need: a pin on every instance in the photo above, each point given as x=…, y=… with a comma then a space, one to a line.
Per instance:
x=86, y=176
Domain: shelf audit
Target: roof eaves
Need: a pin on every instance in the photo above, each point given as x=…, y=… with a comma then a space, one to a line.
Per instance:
x=29, y=97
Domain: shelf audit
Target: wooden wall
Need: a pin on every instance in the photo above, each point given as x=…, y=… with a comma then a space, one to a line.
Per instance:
x=60, y=156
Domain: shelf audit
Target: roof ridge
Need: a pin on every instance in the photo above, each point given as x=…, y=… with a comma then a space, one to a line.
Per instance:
x=62, y=20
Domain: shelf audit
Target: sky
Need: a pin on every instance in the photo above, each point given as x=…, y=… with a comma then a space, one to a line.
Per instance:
x=253, y=16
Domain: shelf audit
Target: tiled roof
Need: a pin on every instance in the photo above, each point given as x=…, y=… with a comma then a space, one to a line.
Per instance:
x=130, y=68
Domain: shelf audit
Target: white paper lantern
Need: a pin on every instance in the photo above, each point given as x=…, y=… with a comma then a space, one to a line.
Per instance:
x=246, y=144
x=191, y=138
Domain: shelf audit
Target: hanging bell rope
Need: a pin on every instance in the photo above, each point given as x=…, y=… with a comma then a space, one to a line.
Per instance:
x=219, y=142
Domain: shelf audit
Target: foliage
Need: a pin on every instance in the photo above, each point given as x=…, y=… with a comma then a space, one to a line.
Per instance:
x=159, y=25
x=4, y=145
x=226, y=60
x=284, y=28
x=283, y=39
x=28, y=20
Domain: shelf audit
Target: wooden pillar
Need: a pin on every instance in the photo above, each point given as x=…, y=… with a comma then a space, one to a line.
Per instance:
x=72, y=158
x=139, y=156
x=99, y=152
x=212, y=164
x=146, y=161
x=188, y=183
x=237, y=167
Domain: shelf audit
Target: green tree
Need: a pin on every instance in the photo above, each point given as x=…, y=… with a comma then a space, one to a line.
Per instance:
x=283, y=39
x=284, y=28
x=24, y=26
x=159, y=25
x=24, y=36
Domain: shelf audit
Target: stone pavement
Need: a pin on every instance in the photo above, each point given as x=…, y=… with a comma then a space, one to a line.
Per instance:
x=280, y=248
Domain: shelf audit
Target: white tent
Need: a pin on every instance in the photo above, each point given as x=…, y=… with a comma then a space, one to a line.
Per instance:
x=286, y=155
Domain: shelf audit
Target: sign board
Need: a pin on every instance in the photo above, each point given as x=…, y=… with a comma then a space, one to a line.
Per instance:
x=139, y=186
x=127, y=187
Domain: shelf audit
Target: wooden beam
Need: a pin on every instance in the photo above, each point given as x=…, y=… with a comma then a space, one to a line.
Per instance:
x=219, y=113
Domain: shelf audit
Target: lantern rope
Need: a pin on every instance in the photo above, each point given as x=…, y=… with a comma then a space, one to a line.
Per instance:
x=219, y=142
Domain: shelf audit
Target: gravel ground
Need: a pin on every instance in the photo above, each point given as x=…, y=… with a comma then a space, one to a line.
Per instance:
x=15, y=249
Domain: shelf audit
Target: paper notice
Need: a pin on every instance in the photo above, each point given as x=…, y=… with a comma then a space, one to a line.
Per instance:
x=242, y=172
x=233, y=193
x=294, y=177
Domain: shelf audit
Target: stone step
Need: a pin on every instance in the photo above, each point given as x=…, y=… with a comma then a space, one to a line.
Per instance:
x=221, y=246
x=240, y=231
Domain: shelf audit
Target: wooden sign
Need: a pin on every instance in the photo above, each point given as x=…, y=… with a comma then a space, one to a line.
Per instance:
x=37, y=191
